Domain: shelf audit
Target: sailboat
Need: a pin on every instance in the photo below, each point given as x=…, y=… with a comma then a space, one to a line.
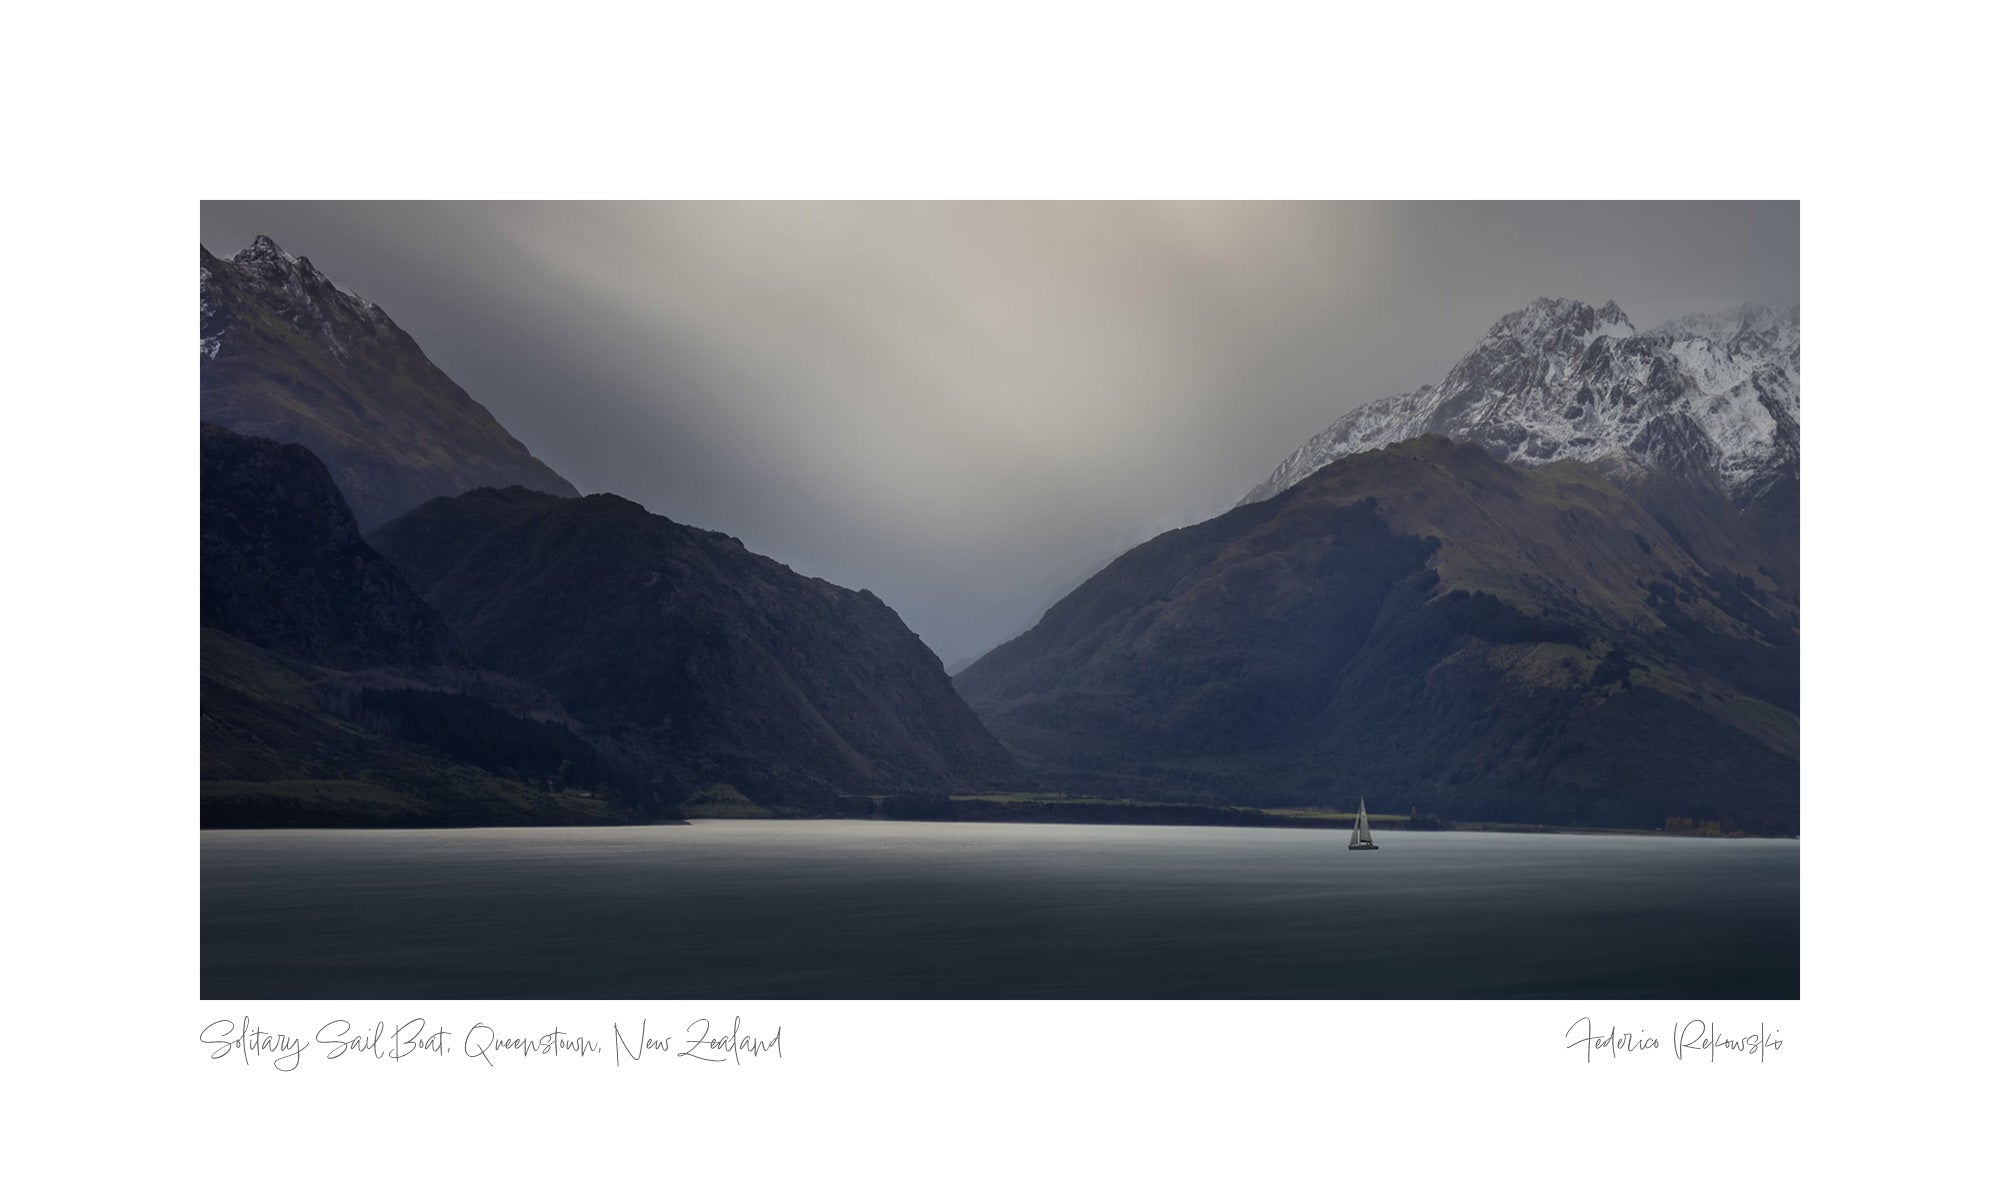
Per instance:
x=1359, y=839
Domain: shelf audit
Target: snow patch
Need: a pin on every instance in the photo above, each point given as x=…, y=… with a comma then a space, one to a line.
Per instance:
x=1730, y=377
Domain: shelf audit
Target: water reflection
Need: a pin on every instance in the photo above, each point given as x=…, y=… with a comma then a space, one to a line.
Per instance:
x=840, y=909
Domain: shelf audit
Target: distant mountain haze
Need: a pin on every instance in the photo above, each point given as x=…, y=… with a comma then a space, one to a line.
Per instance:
x=288, y=355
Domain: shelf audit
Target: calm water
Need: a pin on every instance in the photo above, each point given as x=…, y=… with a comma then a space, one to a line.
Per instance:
x=866, y=909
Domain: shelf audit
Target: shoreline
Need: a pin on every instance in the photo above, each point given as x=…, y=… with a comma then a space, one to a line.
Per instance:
x=286, y=806
x=1329, y=825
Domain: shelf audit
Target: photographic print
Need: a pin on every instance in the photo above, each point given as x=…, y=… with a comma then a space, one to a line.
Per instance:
x=1000, y=600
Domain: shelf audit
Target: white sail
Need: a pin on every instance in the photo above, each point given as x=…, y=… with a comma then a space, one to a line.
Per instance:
x=1361, y=825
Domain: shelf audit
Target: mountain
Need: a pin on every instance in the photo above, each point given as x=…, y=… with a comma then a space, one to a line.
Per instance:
x=558, y=658
x=283, y=565
x=287, y=354
x=1429, y=627
x=1711, y=400
x=332, y=694
x=713, y=665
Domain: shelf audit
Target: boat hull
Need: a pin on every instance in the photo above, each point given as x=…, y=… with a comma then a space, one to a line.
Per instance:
x=1365, y=846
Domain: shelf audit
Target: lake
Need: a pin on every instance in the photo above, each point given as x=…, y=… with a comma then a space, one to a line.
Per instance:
x=875, y=909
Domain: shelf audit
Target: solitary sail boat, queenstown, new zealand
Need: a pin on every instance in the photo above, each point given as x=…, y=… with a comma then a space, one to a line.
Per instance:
x=1359, y=839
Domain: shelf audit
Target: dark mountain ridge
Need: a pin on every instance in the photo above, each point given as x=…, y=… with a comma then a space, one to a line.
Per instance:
x=283, y=565
x=332, y=694
x=712, y=664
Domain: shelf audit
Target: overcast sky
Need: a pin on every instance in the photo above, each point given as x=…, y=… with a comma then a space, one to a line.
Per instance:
x=968, y=407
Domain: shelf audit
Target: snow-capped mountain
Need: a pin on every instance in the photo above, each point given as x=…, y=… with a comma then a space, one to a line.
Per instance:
x=294, y=289
x=288, y=354
x=1710, y=398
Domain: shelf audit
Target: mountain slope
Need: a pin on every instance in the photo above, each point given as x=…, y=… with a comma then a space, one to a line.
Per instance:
x=332, y=694
x=288, y=355
x=283, y=565
x=712, y=664
x=1711, y=400
x=1431, y=627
